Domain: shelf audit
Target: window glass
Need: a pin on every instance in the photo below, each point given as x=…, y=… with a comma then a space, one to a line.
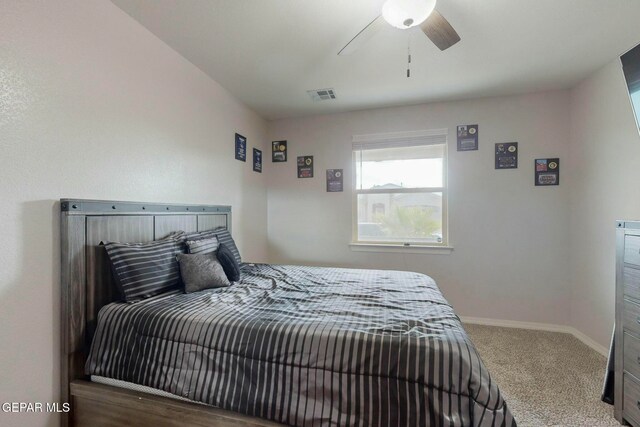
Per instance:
x=400, y=194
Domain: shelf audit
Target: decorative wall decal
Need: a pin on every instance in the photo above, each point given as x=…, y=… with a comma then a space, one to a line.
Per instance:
x=547, y=172
x=335, y=181
x=305, y=167
x=257, y=160
x=467, y=137
x=279, y=151
x=241, y=147
x=507, y=155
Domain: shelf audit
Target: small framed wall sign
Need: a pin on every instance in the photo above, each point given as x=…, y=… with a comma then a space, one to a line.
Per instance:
x=305, y=167
x=547, y=172
x=507, y=155
x=257, y=160
x=279, y=151
x=467, y=137
x=335, y=181
x=241, y=147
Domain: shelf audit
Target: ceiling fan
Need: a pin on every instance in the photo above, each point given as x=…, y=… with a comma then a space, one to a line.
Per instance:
x=405, y=14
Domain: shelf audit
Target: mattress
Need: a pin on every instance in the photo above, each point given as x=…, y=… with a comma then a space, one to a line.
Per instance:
x=137, y=387
x=307, y=346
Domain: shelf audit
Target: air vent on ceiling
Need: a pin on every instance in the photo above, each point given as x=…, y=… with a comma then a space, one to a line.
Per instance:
x=322, y=94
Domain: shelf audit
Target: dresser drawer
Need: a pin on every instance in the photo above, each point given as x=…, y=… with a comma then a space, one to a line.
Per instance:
x=631, y=316
x=631, y=281
x=632, y=355
x=631, y=402
x=632, y=249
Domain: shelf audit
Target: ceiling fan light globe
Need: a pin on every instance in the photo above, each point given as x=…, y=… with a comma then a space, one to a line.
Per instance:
x=405, y=14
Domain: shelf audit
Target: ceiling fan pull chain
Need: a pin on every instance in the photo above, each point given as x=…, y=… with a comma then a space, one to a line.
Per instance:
x=409, y=57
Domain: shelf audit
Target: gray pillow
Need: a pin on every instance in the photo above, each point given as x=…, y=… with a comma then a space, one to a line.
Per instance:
x=143, y=270
x=224, y=237
x=201, y=271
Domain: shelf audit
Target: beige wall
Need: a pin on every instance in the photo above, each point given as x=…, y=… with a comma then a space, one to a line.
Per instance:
x=605, y=186
x=511, y=239
x=94, y=106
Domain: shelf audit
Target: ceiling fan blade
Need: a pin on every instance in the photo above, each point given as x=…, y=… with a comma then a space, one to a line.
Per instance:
x=438, y=29
x=363, y=36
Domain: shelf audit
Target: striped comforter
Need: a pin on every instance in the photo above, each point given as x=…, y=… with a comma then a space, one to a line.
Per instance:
x=307, y=346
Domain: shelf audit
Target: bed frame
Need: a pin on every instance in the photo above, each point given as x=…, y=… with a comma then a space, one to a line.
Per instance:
x=87, y=285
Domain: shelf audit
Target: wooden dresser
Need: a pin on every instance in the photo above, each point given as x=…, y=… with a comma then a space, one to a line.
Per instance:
x=627, y=333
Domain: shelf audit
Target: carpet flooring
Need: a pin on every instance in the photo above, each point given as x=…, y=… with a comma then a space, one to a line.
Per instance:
x=547, y=378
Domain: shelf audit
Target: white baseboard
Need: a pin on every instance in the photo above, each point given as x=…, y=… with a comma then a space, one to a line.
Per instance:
x=538, y=327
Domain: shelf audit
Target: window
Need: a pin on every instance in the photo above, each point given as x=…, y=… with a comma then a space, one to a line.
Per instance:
x=400, y=195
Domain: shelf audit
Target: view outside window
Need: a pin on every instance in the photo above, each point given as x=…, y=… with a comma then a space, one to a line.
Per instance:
x=400, y=194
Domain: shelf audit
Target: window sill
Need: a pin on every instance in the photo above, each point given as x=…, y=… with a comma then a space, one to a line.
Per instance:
x=417, y=249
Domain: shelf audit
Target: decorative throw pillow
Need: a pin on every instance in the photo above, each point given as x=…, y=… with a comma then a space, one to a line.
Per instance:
x=143, y=270
x=224, y=237
x=199, y=235
x=229, y=264
x=202, y=246
x=201, y=271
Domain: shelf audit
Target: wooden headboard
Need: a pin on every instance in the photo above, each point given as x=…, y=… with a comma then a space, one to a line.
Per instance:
x=86, y=280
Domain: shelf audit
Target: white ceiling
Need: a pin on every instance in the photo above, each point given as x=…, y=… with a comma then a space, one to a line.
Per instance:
x=268, y=53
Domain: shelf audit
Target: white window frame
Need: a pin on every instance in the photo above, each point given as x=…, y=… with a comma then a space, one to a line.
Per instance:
x=422, y=137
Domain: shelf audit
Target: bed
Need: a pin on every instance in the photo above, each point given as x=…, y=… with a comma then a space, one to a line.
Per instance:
x=287, y=344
